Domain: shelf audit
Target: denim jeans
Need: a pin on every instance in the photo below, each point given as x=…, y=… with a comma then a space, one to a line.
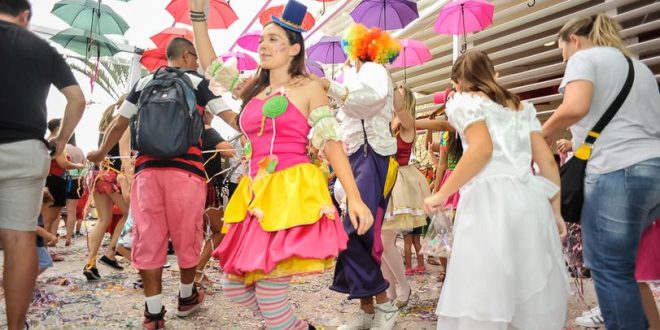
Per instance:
x=618, y=206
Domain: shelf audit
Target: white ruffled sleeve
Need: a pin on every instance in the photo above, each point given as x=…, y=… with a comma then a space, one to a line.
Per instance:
x=365, y=97
x=465, y=109
x=534, y=123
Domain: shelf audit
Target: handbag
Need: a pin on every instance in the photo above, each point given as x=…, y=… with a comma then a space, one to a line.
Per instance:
x=572, y=173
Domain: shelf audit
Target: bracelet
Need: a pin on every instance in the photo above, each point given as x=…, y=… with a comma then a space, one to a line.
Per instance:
x=197, y=12
x=197, y=17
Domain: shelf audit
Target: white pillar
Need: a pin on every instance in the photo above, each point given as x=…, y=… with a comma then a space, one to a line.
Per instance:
x=134, y=74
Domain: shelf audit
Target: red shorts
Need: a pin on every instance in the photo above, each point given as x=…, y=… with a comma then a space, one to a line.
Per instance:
x=167, y=204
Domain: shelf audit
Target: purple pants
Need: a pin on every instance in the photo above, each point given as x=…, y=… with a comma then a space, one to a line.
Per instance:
x=357, y=272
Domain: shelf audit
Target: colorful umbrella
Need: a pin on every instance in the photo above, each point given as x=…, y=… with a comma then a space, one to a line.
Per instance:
x=220, y=15
x=314, y=67
x=413, y=52
x=163, y=38
x=267, y=15
x=385, y=14
x=250, y=41
x=152, y=59
x=245, y=61
x=85, y=43
x=461, y=17
x=329, y=51
x=90, y=15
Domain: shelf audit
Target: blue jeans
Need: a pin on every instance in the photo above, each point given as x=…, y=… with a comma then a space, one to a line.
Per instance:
x=618, y=206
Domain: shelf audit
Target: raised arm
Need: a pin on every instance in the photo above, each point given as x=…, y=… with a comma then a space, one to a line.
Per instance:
x=203, y=44
x=434, y=125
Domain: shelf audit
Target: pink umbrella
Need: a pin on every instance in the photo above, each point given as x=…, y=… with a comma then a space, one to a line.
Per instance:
x=245, y=61
x=414, y=52
x=164, y=37
x=250, y=41
x=463, y=16
x=220, y=14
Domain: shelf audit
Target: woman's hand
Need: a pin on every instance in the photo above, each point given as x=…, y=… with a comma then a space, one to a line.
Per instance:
x=360, y=215
x=433, y=203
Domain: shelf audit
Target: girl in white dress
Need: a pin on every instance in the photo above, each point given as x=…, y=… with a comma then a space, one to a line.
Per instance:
x=506, y=269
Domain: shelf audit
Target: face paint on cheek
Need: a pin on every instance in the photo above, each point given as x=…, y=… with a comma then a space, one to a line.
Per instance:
x=280, y=49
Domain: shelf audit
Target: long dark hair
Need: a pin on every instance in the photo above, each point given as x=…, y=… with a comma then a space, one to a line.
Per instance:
x=454, y=146
x=296, y=69
x=476, y=73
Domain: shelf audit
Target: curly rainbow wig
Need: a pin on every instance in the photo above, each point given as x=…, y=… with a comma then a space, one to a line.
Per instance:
x=370, y=45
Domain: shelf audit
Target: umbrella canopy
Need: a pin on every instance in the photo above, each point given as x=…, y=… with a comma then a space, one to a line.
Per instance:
x=152, y=59
x=385, y=14
x=85, y=43
x=220, y=15
x=90, y=15
x=328, y=50
x=163, y=38
x=245, y=61
x=250, y=41
x=413, y=52
x=267, y=15
x=461, y=17
x=314, y=67
x=324, y=1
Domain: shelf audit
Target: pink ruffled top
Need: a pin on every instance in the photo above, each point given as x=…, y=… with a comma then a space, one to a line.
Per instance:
x=285, y=136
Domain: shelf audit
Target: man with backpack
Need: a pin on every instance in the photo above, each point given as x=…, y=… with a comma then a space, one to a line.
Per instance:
x=164, y=111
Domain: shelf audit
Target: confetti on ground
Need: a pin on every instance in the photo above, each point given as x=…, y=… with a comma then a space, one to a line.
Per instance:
x=65, y=300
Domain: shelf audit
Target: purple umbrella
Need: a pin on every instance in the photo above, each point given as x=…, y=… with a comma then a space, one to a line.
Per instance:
x=245, y=61
x=250, y=41
x=314, y=67
x=385, y=14
x=329, y=51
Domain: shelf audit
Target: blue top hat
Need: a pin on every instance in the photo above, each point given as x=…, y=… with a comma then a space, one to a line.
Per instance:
x=292, y=16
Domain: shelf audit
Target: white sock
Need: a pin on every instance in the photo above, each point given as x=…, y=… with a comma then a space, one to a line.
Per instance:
x=154, y=303
x=185, y=290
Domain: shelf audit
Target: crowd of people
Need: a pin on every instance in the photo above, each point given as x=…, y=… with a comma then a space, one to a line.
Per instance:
x=322, y=177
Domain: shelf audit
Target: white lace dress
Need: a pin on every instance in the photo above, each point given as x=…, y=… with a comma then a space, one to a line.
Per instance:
x=506, y=270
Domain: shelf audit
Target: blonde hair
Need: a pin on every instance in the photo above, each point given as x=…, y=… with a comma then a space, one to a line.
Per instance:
x=411, y=102
x=108, y=114
x=601, y=30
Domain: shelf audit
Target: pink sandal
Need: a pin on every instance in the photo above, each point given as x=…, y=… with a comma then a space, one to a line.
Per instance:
x=410, y=271
x=420, y=270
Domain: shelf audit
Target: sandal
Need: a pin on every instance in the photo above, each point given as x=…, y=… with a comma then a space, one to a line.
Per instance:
x=409, y=271
x=420, y=270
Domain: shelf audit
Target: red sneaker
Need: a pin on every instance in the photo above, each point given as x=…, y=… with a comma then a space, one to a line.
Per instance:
x=153, y=321
x=189, y=305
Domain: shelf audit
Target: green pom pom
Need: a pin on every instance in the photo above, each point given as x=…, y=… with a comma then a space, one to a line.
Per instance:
x=272, y=164
x=275, y=106
x=247, y=149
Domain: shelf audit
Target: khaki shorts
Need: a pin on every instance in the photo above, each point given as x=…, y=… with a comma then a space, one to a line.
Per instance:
x=23, y=169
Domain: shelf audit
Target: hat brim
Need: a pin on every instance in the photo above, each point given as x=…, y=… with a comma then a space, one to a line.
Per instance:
x=286, y=25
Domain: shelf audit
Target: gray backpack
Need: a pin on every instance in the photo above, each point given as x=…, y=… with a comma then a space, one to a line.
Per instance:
x=167, y=122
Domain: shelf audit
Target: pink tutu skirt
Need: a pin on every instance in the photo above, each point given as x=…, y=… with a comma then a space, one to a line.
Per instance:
x=250, y=253
x=647, y=267
x=452, y=201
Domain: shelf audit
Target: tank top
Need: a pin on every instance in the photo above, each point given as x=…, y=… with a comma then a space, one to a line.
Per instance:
x=403, y=150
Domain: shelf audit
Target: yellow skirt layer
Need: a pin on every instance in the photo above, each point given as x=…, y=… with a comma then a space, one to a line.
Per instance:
x=295, y=196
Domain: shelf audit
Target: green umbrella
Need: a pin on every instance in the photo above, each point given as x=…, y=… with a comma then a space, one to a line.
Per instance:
x=85, y=43
x=90, y=15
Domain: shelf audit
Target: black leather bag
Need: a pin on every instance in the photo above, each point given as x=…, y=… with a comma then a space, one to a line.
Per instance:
x=572, y=173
